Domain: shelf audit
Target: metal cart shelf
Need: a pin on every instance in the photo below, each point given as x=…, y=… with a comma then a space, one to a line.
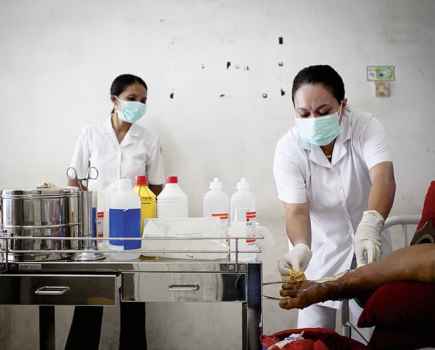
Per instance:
x=146, y=279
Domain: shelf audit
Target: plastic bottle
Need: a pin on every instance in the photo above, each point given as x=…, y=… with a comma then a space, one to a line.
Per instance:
x=102, y=216
x=148, y=204
x=243, y=219
x=172, y=202
x=243, y=204
x=216, y=202
x=124, y=215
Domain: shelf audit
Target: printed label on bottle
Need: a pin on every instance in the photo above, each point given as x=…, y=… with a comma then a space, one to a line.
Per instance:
x=100, y=224
x=146, y=200
x=251, y=217
x=221, y=216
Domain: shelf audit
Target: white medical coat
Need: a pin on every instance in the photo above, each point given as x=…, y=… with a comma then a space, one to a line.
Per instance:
x=138, y=154
x=337, y=191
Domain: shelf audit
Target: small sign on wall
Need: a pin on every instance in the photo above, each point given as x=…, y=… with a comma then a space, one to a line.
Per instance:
x=381, y=73
x=382, y=76
x=382, y=88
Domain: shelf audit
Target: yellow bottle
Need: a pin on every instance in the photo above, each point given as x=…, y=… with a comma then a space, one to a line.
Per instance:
x=148, y=203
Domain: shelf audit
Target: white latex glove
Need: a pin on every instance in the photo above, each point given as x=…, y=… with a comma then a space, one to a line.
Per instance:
x=297, y=259
x=367, y=241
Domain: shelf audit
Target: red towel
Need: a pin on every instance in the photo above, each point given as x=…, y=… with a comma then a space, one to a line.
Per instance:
x=428, y=212
x=314, y=339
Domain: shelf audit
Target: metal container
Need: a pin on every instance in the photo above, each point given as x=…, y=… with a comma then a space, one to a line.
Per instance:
x=43, y=212
x=87, y=228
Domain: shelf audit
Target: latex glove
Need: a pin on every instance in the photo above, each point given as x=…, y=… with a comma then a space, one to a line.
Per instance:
x=367, y=241
x=297, y=259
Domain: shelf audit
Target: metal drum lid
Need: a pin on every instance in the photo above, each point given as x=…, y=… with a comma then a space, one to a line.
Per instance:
x=41, y=192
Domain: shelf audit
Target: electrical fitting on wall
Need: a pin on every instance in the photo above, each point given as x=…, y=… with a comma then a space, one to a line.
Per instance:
x=382, y=76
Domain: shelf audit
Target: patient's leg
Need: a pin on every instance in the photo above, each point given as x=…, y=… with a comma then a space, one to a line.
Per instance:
x=415, y=263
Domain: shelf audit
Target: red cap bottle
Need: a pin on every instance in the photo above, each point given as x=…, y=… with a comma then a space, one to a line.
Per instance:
x=172, y=180
x=141, y=181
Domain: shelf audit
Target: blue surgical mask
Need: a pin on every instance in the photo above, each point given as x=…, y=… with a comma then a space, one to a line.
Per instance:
x=319, y=131
x=130, y=111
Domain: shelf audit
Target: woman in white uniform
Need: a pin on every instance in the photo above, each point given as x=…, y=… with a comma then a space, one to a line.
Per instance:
x=119, y=148
x=334, y=176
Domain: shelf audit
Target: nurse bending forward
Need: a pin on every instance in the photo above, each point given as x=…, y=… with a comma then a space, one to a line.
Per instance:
x=334, y=175
x=119, y=148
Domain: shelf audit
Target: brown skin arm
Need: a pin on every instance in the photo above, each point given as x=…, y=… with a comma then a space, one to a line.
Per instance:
x=381, y=196
x=156, y=189
x=415, y=263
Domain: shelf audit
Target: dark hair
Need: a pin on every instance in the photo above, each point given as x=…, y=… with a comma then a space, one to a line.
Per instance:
x=320, y=74
x=123, y=81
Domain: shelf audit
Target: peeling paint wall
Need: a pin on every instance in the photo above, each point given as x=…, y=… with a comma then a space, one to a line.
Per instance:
x=219, y=74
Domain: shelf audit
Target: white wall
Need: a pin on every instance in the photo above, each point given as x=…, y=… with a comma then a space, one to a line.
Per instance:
x=58, y=59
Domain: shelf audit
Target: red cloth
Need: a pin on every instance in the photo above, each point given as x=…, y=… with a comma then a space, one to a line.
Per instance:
x=388, y=338
x=428, y=212
x=400, y=305
x=314, y=339
x=404, y=316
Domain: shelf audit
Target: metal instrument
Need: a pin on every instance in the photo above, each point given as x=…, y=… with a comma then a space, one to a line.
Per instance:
x=89, y=247
x=92, y=174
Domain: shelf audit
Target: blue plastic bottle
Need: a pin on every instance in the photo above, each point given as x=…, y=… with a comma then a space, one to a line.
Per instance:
x=124, y=216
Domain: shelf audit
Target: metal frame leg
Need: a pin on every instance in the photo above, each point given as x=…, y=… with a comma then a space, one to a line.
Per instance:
x=47, y=335
x=245, y=326
x=251, y=331
x=252, y=309
x=345, y=317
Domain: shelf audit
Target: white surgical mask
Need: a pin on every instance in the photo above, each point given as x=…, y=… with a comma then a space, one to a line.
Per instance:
x=319, y=131
x=130, y=111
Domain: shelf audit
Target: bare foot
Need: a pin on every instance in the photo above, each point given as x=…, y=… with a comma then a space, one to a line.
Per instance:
x=299, y=295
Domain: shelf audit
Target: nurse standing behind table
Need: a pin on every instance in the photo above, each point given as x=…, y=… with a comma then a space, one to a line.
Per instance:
x=119, y=148
x=334, y=176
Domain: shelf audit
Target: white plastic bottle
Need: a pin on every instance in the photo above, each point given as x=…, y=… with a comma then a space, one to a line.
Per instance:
x=102, y=216
x=124, y=216
x=243, y=219
x=243, y=203
x=216, y=202
x=172, y=202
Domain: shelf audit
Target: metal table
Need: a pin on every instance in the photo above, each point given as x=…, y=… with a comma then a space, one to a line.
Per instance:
x=108, y=282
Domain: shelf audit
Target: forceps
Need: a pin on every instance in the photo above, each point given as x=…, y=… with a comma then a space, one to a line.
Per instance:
x=92, y=174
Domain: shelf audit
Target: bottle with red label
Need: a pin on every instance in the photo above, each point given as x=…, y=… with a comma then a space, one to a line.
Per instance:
x=243, y=213
x=243, y=204
x=216, y=202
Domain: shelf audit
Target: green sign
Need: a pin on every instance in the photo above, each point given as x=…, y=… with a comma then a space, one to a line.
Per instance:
x=381, y=73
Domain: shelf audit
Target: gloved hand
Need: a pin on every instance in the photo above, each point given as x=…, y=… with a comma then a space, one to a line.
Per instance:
x=367, y=241
x=297, y=259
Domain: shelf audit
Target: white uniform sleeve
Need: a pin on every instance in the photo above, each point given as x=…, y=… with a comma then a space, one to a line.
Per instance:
x=289, y=179
x=154, y=166
x=373, y=144
x=81, y=155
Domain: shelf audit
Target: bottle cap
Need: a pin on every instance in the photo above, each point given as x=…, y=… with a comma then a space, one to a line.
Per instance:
x=243, y=184
x=172, y=180
x=141, y=181
x=215, y=184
